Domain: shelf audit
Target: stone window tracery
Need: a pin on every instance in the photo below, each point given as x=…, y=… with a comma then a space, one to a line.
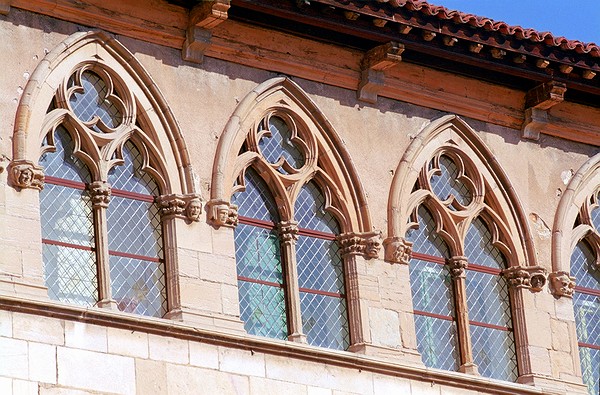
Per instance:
x=585, y=270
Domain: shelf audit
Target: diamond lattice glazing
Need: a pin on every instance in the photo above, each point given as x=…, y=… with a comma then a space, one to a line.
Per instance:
x=257, y=253
x=61, y=163
x=325, y=320
x=494, y=353
x=487, y=299
x=70, y=274
x=256, y=200
x=262, y=308
x=479, y=248
x=130, y=176
x=436, y=342
x=431, y=288
x=425, y=240
x=319, y=264
x=446, y=183
x=280, y=145
x=587, y=317
x=310, y=210
x=590, y=368
x=94, y=101
x=138, y=286
x=583, y=267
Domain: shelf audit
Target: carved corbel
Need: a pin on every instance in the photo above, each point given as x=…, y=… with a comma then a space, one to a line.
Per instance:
x=100, y=192
x=561, y=284
x=373, y=65
x=5, y=7
x=366, y=244
x=528, y=277
x=187, y=207
x=458, y=266
x=288, y=230
x=24, y=174
x=397, y=250
x=537, y=103
x=203, y=18
x=222, y=213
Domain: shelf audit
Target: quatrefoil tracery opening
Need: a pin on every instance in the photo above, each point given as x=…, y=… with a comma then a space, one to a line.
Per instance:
x=449, y=182
x=280, y=145
x=94, y=100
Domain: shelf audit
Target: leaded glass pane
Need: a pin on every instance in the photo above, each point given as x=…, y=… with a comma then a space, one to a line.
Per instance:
x=590, y=368
x=424, y=238
x=280, y=145
x=319, y=264
x=487, y=299
x=494, y=352
x=130, y=176
x=587, y=317
x=436, y=342
x=431, y=287
x=62, y=163
x=70, y=274
x=479, y=248
x=257, y=253
x=256, y=200
x=310, y=210
x=583, y=267
x=135, y=242
x=262, y=308
x=324, y=320
x=446, y=183
x=93, y=101
x=595, y=214
x=138, y=286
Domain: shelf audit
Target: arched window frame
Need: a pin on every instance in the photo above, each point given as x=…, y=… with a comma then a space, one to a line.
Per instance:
x=493, y=200
x=573, y=224
x=327, y=163
x=146, y=121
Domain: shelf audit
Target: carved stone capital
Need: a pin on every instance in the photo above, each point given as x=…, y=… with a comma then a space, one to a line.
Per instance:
x=24, y=174
x=288, y=230
x=458, y=266
x=366, y=244
x=561, y=284
x=100, y=192
x=529, y=277
x=222, y=213
x=188, y=207
x=397, y=250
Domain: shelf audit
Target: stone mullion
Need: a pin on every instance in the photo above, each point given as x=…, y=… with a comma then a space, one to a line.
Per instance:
x=520, y=330
x=288, y=235
x=171, y=268
x=100, y=192
x=458, y=266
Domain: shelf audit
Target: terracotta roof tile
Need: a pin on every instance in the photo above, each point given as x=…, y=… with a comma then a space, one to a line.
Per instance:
x=489, y=24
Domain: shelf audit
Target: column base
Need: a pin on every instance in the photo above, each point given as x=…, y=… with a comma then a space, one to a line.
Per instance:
x=206, y=320
x=469, y=368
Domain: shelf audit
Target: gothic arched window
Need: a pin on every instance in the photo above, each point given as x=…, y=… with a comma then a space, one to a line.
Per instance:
x=280, y=179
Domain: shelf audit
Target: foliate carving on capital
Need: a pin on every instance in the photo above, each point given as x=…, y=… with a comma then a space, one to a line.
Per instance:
x=222, y=213
x=188, y=207
x=367, y=244
x=24, y=174
x=561, y=284
x=397, y=250
x=458, y=266
x=529, y=277
x=288, y=230
x=100, y=192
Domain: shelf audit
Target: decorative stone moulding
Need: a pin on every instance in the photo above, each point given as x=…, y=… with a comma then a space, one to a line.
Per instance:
x=100, y=192
x=24, y=174
x=222, y=213
x=203, y=18
x=188, y=207
x=397, y=250
x=366, y=244
x=561, y=284
x=528, y=277
x=457, y=266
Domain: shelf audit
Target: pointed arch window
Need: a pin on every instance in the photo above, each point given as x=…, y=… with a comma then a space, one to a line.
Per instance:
x=284, y=181
x=585, y=268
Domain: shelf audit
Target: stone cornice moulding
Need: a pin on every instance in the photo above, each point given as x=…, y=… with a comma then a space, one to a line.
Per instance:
x=293, y=350
x=167, y=24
